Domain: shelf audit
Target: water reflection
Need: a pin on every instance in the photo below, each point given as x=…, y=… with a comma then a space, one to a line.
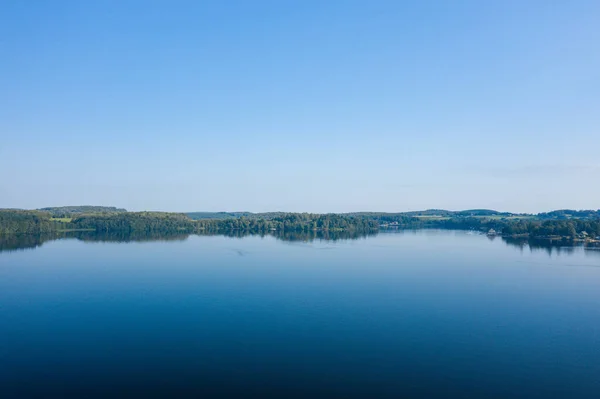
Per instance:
x=303, y=236
x=552, y=247
x=24, y=242
x=121, y=236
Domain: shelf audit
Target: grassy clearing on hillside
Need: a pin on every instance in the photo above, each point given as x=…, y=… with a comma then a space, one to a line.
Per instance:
x=62, y=220
x=498, y=217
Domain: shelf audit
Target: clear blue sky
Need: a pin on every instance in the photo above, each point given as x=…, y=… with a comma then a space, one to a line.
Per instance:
x=321, y=106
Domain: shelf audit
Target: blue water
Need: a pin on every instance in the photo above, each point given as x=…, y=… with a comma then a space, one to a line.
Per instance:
x=431, y=314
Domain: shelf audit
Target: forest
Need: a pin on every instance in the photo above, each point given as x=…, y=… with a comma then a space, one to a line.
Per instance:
x=112, y=220
x=70, y=211
x=29, y=222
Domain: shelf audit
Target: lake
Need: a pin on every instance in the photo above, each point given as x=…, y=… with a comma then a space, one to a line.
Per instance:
x=415, y=314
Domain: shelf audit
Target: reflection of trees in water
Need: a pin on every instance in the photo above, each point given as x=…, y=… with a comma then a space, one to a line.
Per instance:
x=26, y=241
x=120, y=236
x=325, y=235
x=592, y=249
x=21, y=242
x=304, y=236
x=562, y=246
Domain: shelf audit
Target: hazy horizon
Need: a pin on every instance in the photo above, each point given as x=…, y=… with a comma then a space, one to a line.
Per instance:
x=337, y=106
x=298, y=211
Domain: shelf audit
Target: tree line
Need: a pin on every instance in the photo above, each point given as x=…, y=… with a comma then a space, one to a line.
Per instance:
x=38, y=222
x=571, y=228
x=70, y=211
x=29, y=222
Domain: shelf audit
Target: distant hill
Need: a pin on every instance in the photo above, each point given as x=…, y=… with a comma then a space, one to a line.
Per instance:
x=68, y=211
x=234, y=215
x=438, y=212
x=216, y=215
x=429, y=212
x=563, y=214
x=481, y=212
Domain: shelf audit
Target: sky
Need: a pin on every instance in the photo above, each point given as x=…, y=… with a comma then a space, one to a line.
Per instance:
x=316, y=106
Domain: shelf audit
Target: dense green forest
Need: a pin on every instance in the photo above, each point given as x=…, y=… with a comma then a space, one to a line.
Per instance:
x=70, y=211
x=217, y=215
x=135, y=221
x=573, y=228
x=157, y=221
x=564, y=214
x=31, y=222
x=570, y=224
x=291, y=222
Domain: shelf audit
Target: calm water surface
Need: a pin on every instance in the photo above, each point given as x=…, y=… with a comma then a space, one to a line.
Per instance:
x=415, y=314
